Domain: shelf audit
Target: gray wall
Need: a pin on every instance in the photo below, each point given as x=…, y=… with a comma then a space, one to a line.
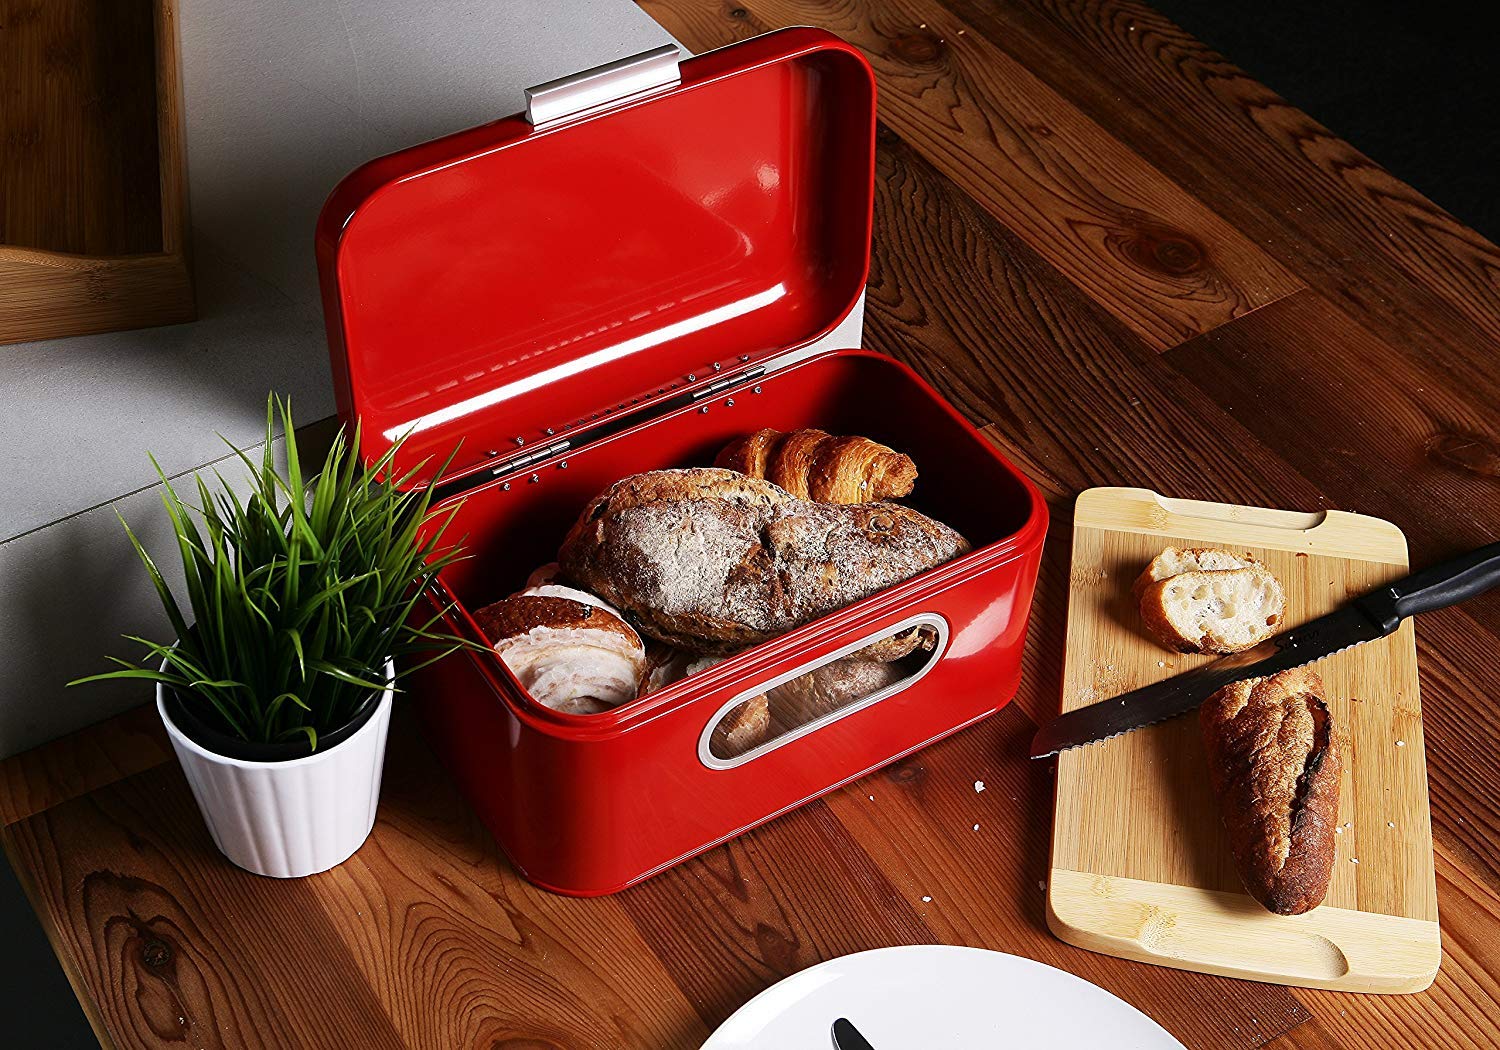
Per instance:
x=283, y=97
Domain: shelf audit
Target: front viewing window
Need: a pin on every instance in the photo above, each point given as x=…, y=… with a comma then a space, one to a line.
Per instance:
x=807, y=699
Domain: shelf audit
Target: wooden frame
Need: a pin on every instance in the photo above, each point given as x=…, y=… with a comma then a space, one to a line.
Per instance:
x=46, y=293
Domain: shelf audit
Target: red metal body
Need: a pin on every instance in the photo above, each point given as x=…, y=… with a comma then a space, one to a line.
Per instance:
x=512, y=283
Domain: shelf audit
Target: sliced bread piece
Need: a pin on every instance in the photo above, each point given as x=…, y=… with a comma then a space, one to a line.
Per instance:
x=1174, y=561
x=1220, y=611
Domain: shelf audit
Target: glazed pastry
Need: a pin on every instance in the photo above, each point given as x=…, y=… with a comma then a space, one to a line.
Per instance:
x=811, y=464
x=791, y=461
x=751, y=454
x=1274, y=763
x=714, y=561
x=572, y=656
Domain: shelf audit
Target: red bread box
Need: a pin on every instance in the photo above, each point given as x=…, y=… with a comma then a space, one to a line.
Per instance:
x=645, y=265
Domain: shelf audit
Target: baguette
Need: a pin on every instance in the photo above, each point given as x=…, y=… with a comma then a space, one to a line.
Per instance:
x=743, y=726
x=1274, y=763
x=897, y=646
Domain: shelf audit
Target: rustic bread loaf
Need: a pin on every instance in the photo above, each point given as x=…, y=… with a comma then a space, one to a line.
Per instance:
x=714, y=561
x=828, y=688
x=898, y=646
x=1208, y=600
x=1275, y=765
x=742, y=727
x=811, y=464
x=572, y=656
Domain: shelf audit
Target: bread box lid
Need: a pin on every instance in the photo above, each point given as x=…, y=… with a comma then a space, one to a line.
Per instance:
x=502, y=285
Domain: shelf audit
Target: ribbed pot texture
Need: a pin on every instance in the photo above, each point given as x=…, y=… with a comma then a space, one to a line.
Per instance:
x=293, y=818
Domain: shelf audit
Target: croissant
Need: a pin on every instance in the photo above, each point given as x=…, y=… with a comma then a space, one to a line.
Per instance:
x=813, y=465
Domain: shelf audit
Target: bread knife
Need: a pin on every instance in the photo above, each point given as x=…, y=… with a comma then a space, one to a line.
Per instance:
x=1371, y=616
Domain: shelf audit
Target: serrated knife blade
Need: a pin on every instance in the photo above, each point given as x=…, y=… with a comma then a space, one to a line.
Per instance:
x=1371, y=616
x=1181, y=693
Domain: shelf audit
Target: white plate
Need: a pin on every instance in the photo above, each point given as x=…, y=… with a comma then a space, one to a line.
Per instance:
x=939, y=997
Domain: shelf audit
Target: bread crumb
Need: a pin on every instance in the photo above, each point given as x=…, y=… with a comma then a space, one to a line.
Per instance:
x=1401, y=743
x=978, y=785
x=1348, y=823
x=1041, y=884
x=872, y=798
x=1390, y=823
x=1338, y=831
x=1353, y=860
x=976, y=827
x=926, y=900
x=1161, y=663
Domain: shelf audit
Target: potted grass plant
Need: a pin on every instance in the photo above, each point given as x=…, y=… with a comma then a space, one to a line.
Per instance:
x=300, y=616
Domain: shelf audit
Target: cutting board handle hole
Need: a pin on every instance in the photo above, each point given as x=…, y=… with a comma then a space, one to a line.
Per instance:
x=1264, y=517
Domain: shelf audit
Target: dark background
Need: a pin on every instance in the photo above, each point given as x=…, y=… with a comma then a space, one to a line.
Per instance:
x=1415, y=86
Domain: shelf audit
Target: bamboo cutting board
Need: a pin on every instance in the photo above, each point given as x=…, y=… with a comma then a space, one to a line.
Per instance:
x=1140, y=864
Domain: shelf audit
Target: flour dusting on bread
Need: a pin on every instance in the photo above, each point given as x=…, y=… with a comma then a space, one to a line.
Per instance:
x=714, y=561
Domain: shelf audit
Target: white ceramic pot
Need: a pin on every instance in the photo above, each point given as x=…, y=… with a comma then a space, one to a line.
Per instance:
x=293, y=818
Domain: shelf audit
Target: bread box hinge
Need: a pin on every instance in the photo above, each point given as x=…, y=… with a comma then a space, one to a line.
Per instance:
x=718, y=386
x=607, y=425
x=536, y=455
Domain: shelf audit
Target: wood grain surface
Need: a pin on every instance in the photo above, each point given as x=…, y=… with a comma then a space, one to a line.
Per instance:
x=1130, y=264
x=93, y=168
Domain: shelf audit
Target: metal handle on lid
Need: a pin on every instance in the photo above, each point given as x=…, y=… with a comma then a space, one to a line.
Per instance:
x=612, y=82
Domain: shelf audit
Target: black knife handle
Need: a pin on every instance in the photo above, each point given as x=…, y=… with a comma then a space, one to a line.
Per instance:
x=1437, y=587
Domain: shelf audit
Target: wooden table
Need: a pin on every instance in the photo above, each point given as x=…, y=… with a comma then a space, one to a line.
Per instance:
x=1132, y=265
